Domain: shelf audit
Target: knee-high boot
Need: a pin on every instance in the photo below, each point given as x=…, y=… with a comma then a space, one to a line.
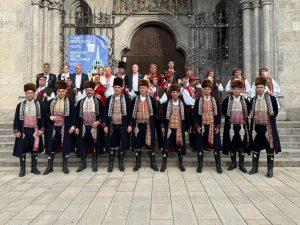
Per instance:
x=138, y=156
x=111, y=159
x=255, y=160
x=82, y=165
x=270, y=161
x=218, y=162
x=200, y=161
x=22, y=166
x=164, y=164
x=34, y=164
x=49, y=168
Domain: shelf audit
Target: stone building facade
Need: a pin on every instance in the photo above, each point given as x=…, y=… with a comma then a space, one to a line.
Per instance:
x=202, y=33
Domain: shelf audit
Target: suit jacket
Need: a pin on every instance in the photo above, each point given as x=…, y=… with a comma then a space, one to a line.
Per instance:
x=129, y=78
x=84, y=78
x=51, y=80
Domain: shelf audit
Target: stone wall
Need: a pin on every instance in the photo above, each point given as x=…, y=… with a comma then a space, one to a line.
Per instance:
x=287, y=26
x=15, y=57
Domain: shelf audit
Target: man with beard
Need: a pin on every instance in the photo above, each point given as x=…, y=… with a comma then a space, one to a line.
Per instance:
x=89, y=113
x=117, y=124
x=60, y=116
x=29, y=126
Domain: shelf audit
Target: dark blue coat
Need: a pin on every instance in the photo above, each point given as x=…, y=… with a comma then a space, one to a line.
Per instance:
x=19, y=127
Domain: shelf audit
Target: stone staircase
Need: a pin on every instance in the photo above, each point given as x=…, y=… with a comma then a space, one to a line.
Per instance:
x=290, y=157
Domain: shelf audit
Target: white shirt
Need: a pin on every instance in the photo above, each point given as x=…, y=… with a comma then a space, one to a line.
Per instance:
x=78, y=80
x=276, y=88
x=108, y=83
x=64, y=76
x=135, y=82
x=47, y=76
x=176, y=103
x=30, y=109
x=187, y=98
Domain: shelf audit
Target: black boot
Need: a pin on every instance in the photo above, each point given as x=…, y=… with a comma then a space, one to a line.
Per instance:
x=138, y=156
x=241, y=161
x=65, y=165
x=121, y=161
x=111, y=160
x=22, y=166
x=152, y=161
x=34, y=163
x=180, y=161
x=270, y=161
x=94, y=163
x=49, y=168
x=164, y=164
x=233, y=160
x=218, y=162
x=255, y=160
x=200, y=162
x=82, y=165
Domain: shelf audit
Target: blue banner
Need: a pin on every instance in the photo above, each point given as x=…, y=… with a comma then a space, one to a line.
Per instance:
x=90, y=51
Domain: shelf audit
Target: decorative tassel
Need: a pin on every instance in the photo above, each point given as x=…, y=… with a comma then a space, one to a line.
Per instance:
x=203, y=129
x=94, y=134
x=136, y=131
x=169, y=133
x=242, y=132
x=231, y=132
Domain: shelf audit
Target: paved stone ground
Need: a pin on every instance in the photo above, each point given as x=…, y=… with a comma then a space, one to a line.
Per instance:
x=150, y=198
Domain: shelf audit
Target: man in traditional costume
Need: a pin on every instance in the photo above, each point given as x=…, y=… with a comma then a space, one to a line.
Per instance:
x=160, y=97
x=208, y=125
x=236, y=134
x=264, y=110
x=173, y=128
x=237, y=75
x=121, y=70
x=217, y=86
x=190, y=94
x=99, y=89
x=43, y=93
x=143, y=124
x=117, y=124
x=89, y=113
x=184, y=81
x=107, y=81
x=272, y=87
x=152, y=73
x=60, y=116
x=29, y=126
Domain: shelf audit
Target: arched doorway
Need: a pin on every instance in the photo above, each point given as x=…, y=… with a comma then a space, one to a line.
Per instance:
x=153, y=43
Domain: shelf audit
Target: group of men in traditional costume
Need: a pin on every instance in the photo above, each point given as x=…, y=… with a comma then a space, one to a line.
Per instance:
x=115, y=113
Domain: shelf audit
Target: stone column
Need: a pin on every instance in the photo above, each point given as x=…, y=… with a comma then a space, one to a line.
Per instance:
x=57, y=6
x=46, y=31
x=266, y=6
x=246, y=8
x=256, y=40
x=35, y=38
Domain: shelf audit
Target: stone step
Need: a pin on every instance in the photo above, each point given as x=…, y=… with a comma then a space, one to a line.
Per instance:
x=172, y=162
x=286, y=153
x=284, y=145
x=283, y=138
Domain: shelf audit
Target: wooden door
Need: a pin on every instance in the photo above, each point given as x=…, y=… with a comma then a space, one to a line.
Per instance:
x=153, y=44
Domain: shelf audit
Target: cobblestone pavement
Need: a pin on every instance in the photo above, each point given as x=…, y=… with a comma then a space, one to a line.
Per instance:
x=149, y=197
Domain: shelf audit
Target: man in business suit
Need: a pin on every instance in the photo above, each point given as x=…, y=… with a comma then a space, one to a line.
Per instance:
x=78, y=79
x=171, y=67
x=132, y=81
x=51, y=78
